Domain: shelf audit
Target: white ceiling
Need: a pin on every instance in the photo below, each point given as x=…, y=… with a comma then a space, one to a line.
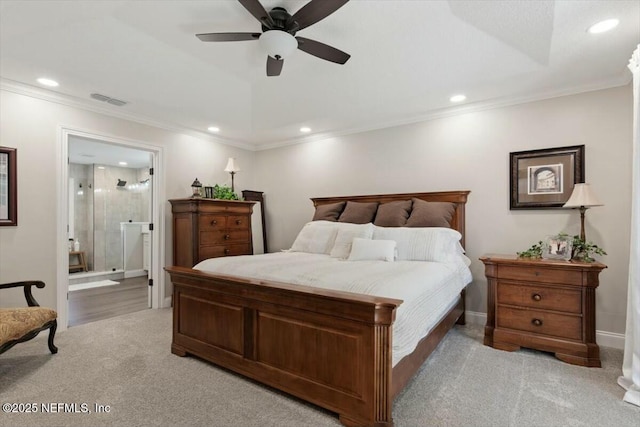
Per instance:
x=408, y=58
x=86, y=151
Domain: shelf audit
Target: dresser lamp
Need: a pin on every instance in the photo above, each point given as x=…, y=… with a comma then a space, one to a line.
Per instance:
x=582, y=197
x=232, y=168
x=196, y=189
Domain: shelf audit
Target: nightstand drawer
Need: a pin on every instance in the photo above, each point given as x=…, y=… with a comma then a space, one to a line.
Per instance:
x=540, y=322
x=539, y=274
x=540, y=297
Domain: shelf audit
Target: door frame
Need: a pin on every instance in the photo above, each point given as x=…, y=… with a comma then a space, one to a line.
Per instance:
x=158, y=299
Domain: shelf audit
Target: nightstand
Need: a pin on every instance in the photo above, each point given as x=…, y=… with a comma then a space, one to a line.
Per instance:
x=548, y=305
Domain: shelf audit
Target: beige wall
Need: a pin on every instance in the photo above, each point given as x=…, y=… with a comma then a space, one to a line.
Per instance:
x=471, y=152
x=464, y=152
x=31, y=125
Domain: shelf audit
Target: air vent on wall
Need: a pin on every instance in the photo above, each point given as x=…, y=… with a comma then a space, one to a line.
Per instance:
x=112, y=101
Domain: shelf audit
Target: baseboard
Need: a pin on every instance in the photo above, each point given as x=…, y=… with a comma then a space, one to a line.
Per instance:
x=603, y=338
x=167, y=302
x=476, y=318
x=610, y=339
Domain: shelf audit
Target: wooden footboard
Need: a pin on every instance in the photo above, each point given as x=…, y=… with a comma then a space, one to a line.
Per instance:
x=329, y=348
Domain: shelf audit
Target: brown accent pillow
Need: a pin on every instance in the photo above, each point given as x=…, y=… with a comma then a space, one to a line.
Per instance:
x=430, y=214
x=393, y=214
x=358, y=212
x=328, y=212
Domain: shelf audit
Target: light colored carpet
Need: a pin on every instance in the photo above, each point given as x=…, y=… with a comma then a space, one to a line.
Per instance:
x=89, y=285
x=126, y=363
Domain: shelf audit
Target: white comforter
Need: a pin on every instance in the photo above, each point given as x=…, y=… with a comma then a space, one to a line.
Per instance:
x=428, y=289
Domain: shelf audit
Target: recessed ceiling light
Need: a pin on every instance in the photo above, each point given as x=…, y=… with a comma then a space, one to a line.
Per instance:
x=213, y=129
x=457, y=98
x=602, y=26
x=122, y=163
x=305, y=129
x=47, y=82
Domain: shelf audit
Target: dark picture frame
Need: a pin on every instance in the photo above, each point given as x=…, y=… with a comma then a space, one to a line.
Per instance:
x=208, y=192
x=544, y=179
x=8, y=187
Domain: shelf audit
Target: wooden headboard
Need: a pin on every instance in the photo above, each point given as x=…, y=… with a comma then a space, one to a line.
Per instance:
x=457, y=197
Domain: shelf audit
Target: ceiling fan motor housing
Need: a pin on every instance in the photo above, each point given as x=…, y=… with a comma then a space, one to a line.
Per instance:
x=282, y=21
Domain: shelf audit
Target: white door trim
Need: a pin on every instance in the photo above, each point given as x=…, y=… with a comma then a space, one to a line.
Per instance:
x=158, y=299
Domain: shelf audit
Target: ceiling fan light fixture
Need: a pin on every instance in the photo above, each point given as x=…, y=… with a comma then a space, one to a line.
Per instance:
x=278, y=44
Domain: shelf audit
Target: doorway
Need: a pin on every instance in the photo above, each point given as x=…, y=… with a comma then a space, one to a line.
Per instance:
x=111, y=252
x=110, y=211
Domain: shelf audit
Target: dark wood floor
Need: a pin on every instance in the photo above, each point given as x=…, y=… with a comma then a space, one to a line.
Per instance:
x=89, y=305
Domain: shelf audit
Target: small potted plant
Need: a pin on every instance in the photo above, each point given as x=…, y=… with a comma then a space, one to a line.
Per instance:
x=581, y=250
x=223, y=192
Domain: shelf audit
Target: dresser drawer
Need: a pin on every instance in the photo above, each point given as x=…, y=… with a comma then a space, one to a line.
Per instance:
x=539, y=274
x=223, y=250
x=540, y=322
x=540, y=297
x=238, y=222
x=224, y=236
x=212, y=222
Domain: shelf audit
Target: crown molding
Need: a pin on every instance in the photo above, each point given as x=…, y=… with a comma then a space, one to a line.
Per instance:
x=622, y=80
x=75, y=102
x=46, y=95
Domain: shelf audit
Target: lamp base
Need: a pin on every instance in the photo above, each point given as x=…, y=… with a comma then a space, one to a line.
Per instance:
x=582, y=212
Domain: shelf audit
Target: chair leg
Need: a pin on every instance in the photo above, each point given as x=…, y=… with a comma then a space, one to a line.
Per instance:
x=52, y=334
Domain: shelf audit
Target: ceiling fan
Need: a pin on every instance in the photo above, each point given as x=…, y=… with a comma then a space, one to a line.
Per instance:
x=279, y=30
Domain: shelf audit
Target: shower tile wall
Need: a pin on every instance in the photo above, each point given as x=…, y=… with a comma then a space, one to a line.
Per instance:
x=83, y=208
x=100, y=206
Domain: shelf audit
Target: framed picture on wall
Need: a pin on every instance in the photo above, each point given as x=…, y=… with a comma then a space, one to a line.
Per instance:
x=541, y=179
x=8, y=187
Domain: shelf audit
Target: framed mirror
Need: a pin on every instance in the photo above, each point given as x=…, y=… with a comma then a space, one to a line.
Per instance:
x=8, y=187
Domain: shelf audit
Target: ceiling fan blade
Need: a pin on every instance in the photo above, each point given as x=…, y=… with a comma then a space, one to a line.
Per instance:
x=315, y=11
x=322, y=50
x=228, y=37
x=258, y=11
x=274, y=66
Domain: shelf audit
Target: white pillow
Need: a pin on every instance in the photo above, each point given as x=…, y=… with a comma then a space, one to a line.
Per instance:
x=346, y=233
x=435, y=244
x=316, y=237
x=372, y=250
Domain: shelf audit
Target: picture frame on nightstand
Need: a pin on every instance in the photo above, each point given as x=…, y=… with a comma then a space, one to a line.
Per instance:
x=557, y=247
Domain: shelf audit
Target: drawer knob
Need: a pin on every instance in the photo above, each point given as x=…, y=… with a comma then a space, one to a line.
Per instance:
x=238, y=221
x=214, y=222
x=536, y=273
x=536, y=322
x=227, y=237
x=226, y=251
x=536, y=297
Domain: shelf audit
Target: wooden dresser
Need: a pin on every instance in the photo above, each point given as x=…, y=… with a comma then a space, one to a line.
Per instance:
x=208, y=228
x=548, y=305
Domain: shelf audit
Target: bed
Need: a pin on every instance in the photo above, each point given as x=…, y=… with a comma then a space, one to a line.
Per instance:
x=323, y=344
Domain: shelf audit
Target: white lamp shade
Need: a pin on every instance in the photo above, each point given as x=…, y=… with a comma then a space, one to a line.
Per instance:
x=582, y=196
x=231, y=165
x=278, y=44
